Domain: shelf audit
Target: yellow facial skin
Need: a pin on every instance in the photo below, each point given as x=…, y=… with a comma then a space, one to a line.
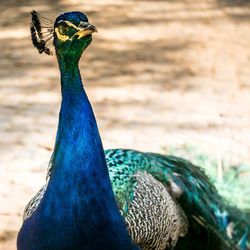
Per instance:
x=62, y=38
x=80, y=33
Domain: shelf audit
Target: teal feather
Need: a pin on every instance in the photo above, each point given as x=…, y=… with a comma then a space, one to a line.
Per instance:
x=243, y=242
x=200, y=200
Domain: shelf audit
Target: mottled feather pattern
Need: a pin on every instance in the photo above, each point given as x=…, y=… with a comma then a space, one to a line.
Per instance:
x=154, y=218
x=33, y=203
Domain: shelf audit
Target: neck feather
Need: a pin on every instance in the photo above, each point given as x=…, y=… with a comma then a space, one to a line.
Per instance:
x=79, y=164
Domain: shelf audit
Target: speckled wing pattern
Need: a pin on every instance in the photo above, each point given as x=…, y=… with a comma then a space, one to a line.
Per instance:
x=33, y=203
x=154, y=218
x=152, y=190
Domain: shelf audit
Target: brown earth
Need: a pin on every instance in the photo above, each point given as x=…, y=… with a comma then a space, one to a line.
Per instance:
x=158, y=73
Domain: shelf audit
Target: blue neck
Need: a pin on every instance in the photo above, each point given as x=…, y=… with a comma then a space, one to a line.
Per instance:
x=78, y=209
x=78, y=149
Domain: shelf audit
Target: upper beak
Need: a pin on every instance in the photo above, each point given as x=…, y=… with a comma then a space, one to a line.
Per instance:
x=89, y=26
x=85, y=28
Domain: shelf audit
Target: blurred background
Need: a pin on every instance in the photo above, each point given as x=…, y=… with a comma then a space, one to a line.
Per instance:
x=163, y=76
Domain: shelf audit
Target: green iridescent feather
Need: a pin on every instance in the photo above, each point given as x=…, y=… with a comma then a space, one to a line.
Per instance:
x=200, y=201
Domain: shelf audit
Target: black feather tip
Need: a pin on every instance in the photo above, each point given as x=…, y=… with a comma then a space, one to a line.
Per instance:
x=41, y=30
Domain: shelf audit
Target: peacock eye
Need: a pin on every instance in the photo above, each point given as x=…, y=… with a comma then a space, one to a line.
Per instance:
x=63, y=28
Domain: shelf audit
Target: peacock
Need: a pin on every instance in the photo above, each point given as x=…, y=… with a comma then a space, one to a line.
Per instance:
x=117, y=198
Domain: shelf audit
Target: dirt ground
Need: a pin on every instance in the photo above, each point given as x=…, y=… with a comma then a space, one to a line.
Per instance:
x=158, y=73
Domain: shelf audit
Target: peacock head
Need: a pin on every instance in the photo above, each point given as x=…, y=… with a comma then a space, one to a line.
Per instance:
x=70, y=34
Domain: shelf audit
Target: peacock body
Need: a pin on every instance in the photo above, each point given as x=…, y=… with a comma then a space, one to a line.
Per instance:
x=160, y=197
x=78, y=209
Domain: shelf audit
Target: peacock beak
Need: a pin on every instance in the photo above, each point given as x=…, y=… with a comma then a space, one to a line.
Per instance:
x=85, y=28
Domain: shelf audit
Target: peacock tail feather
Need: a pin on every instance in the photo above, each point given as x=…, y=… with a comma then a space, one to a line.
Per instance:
x=199, y=199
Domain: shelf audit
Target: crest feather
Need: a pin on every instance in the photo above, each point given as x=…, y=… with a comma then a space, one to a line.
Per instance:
x=41, y=29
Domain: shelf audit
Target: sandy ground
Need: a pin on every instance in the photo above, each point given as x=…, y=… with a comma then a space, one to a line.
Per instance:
x=158, y=73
